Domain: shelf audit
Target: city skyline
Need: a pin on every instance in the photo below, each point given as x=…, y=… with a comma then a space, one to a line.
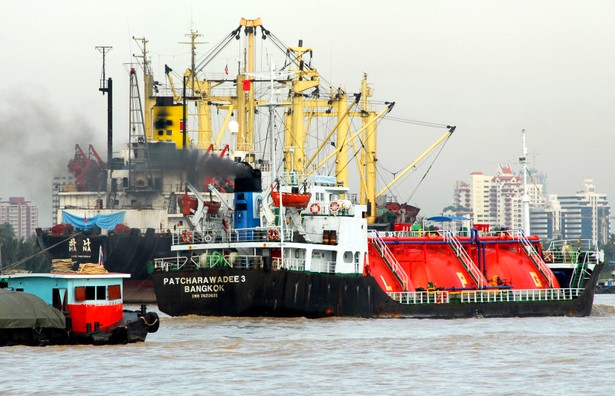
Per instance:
x=497, y=200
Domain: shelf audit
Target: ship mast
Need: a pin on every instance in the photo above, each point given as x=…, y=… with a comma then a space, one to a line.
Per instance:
x=200, y=94
x=148, y=88
x=526, y=197
x=107, y=87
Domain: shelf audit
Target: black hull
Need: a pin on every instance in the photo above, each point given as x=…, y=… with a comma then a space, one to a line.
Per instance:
x=134, y=328
x=239, y=292
x=126, y=253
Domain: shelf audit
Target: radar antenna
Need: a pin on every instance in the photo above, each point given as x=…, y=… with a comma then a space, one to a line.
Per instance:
x=103, y=49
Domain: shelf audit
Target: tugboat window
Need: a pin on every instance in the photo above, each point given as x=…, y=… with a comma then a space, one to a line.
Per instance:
x=101, y=293
x=115, y=292
x=90, y=293
x=80, y=294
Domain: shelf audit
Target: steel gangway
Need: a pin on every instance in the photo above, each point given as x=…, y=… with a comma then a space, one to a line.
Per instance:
x=531, y=251
x=390, y=259
x=464, y=258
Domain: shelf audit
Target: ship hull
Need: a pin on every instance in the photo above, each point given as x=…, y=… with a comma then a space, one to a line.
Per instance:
x=240, y=292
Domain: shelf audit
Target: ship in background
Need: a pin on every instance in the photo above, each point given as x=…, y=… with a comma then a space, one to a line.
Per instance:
x=128, y=206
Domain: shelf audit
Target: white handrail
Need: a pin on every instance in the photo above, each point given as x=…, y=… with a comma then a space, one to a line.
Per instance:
x=486, y=296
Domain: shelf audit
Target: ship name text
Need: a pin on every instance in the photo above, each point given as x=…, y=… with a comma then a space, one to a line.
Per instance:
x=203, y=284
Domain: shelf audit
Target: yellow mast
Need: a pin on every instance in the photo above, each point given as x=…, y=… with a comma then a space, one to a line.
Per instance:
x=295, y=148
x=305, y=78
x=204, y=129
x=245, y=136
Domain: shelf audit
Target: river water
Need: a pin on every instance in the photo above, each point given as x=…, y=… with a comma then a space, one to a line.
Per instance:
x=262, y=356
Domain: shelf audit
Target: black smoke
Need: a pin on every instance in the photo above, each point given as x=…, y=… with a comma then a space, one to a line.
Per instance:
x=37, y=143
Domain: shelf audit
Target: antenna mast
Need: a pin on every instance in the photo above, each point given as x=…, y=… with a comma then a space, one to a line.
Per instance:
x=526, y=197
x=103, y=49
x=107, y=87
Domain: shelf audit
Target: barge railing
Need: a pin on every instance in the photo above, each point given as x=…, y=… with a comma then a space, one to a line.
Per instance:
x=485, y=296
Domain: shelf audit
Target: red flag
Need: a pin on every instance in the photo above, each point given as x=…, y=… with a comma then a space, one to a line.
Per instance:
x=247, y=85
x=226, y=69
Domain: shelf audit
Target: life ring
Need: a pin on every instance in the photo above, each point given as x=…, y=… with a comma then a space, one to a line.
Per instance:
x=187, y=236
x=334, y=207
x=273, y=234
x=208, y=238
x=315, y=208
x=548, y=257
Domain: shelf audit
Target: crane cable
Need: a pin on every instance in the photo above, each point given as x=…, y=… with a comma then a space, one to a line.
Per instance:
x=428, y=169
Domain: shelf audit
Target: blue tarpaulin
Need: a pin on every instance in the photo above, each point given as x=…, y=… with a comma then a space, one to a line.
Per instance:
x=108, y=221
x=447, y=218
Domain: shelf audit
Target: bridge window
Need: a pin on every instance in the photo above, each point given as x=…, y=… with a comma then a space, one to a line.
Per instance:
x=83, y=293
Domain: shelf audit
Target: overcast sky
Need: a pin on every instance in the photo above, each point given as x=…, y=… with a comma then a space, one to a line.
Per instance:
x=492, y=68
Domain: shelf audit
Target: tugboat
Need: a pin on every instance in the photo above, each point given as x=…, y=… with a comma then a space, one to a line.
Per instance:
x=89, y=305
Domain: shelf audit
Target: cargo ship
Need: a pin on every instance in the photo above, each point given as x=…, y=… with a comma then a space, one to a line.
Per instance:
x=323, y=260
x=293, y=240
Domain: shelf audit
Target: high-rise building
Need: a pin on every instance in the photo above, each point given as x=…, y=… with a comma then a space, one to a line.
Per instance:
x=585, y=214
x=59, y=184
x=21, y=215
x=496, y=200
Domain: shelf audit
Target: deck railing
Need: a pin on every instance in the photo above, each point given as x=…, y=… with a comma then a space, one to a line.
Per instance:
x=290, y=264
x=256, y=234
x=485, y=296
x=213, y=260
